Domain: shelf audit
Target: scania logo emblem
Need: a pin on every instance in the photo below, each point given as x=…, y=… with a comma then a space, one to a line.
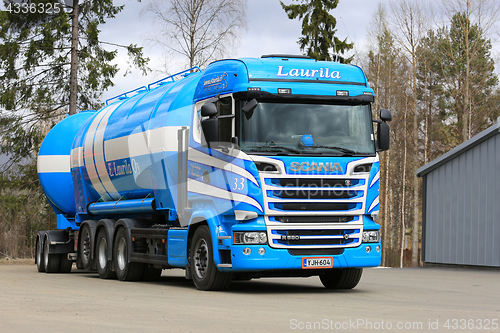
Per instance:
x=346, y=236
x=315, y=166
x=348, y=182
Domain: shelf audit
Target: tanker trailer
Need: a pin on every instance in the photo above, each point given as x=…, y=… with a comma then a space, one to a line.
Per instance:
x=252, y=168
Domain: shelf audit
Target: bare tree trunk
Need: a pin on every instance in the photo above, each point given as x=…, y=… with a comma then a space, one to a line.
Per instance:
x=73, y=82
x=403, y=203
x=416, y=224
x=465, y=128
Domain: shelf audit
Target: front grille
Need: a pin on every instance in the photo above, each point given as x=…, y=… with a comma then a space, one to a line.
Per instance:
x=314, y=242
x=314, y=194
x=333, y=236
x=313, y=206
x=315, y=232
x=321, y=195
x=314, y=182
x=314, y=219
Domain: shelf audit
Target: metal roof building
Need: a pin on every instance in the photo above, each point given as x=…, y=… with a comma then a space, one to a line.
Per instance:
x=461, y=203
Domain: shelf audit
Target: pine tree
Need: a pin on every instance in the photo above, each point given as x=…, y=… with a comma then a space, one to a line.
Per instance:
x=35, y=59
x=318, y=29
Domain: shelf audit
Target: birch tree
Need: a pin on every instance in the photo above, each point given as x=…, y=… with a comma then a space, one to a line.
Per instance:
x=200, y=31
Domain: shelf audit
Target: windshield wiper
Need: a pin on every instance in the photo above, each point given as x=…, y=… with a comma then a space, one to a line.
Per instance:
x=345, y=150
x=293, y=150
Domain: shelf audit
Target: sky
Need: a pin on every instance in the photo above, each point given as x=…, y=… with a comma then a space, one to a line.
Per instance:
x=269, y=31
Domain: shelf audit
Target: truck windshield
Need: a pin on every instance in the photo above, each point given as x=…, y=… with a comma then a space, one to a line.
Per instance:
x=301, y=128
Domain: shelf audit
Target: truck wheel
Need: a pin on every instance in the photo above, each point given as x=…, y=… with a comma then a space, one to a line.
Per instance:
x=39, y=256
x=346, y=278
x=84, y=247
x=203, y=271
x=125, y=270
x=51, y=261
x=65, y=264
x=103, y=262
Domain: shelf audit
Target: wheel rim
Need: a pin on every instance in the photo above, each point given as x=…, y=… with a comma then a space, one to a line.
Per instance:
x=86, y=246
x=201, y=258
x=121, y=255
x=103, y=249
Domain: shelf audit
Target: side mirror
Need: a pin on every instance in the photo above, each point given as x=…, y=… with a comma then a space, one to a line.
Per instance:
x=385, y=115
x=383, y=136
x=209, y=110
x=210, y=126
x=249, y=107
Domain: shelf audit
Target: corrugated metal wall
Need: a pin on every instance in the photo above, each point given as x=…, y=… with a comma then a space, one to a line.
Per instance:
x=461, y=222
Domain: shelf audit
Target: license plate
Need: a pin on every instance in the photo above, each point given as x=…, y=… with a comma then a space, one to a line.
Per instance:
x=317, y=262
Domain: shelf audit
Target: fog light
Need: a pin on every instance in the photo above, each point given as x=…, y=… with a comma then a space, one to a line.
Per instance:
x=262, y=251
x=250, y=237
x=378, y=248
x=247, y=250
x=368, y=249
x=371, y=236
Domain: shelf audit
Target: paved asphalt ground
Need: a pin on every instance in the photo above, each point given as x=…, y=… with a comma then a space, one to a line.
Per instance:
x=386, y=300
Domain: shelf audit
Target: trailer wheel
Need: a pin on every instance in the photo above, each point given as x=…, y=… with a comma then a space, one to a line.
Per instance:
x=203, y=271
x=347, y=278
x=51, y=261
x=84, y=247
x=103, y=262
x=39, y=256
x=125, y=270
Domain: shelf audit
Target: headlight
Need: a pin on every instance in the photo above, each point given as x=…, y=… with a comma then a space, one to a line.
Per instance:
x=371, y=236
x=250, y=237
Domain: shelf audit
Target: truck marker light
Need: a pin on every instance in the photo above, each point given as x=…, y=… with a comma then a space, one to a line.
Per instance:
x=377, y=248
x=247, y=250
x=368, y=249
x=262, y=251
x=284, y=91
x=343, y=93
x=253, y=89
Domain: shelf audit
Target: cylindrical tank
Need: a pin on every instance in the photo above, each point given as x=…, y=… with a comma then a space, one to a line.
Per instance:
x=53, y=162
x=128, y=150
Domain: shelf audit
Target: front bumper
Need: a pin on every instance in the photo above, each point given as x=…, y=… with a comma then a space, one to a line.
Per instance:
x=274, y=259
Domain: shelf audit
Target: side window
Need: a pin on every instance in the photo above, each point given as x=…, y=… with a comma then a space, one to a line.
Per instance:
x=225, y=107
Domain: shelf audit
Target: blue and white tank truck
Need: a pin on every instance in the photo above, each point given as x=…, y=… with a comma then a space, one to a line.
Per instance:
x=252, y=168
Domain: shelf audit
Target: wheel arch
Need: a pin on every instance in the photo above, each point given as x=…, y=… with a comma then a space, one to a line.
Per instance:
x=211, y=219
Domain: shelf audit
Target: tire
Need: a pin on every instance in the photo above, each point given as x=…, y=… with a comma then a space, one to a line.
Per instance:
x=125, y=270
x=65, y=264
x=203, y=271
x=346, y=278
x=151, y=273
x=40, y=262
x=102, y=260
x=85, y=247
x=51, y=261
